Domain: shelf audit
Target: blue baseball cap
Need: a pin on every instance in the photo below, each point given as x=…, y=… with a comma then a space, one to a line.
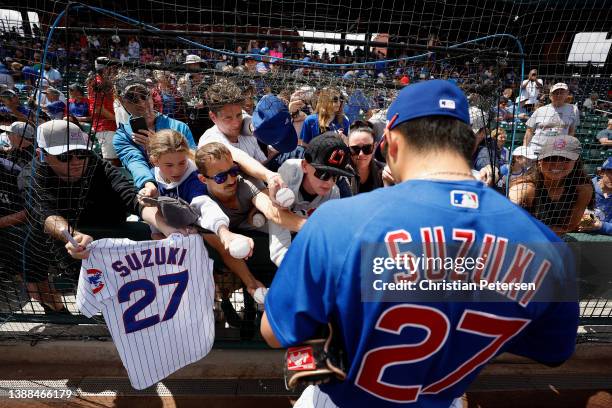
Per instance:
x=272, y=124
x=428, y=98
x=607, y=165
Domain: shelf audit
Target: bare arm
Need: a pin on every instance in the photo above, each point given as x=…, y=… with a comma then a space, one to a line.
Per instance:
x=585, y=192
x=528, y=136
x=237, y=266
x=13, y=219
x=522, y=194
x=257, y=170
x=267, y=333
x=605, y=141
x=282, y=217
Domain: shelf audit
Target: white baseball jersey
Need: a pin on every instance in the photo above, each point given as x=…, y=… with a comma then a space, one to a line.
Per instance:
x=157, y=298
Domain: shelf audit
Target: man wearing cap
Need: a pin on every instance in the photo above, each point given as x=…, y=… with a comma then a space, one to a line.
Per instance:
x=188, y=83
x=44, y=100
x=556, y=118
x=400, y=351
x=134, y=95
x=600, y=222
x=21, y=136
x=54, y=107
x=532, y=87
x=605, y=136
x=67, y=188
x=9, y=103
x=313, y=182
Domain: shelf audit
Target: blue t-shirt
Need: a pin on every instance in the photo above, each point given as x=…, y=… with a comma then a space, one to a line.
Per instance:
x=605, y=134
x=426, y=353
x=78, y=109
x=310, y=129
x=603, y=204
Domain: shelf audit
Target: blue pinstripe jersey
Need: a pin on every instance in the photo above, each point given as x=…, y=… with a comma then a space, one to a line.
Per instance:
x=157, y=299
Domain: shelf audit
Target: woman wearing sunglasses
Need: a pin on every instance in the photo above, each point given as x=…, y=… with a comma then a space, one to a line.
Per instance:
x=328, y=116
x=556, y=191
x=368, y=170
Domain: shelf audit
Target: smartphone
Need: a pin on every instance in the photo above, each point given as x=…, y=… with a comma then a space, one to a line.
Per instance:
x=138, y=123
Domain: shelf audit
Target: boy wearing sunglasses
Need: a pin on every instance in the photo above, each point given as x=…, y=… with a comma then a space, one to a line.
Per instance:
x=313, y=182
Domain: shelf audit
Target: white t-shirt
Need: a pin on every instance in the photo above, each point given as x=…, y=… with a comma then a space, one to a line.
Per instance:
x=157, y=299
x=532, y=90
x=550, y=121
x=292, y=174
x=52, y=75
x=245, y=143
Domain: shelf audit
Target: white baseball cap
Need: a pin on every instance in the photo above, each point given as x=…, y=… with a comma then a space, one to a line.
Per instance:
x=559, y=85
x=192, y=59
x=22, y=129
x=60, y=136
x=525, y=151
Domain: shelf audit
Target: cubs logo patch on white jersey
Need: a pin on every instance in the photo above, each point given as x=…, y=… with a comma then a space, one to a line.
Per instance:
x=157, y=298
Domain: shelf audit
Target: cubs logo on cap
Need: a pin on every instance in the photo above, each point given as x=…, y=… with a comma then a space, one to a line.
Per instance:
x=329, y=153
x=464, y=199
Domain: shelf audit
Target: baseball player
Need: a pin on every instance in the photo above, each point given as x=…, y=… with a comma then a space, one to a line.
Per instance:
x=157, y=299
x=422, y=353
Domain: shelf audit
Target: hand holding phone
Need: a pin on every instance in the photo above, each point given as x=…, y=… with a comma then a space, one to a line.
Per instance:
x=138, y=123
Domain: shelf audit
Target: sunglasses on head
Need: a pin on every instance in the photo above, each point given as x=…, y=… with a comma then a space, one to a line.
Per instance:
x=220, y=178
x=366, y=149
x=325, y=175
x=75, y=154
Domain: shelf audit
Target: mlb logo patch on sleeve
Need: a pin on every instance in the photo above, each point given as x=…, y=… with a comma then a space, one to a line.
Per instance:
x=464, y=199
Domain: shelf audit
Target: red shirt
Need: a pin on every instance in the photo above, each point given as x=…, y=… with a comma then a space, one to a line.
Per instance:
x=101, y=98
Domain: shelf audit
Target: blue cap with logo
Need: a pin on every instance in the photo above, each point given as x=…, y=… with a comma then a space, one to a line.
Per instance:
x=272, y=124
x=428, y=98
x=607, y=165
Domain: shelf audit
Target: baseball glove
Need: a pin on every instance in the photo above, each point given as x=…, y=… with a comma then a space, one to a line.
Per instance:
x=316, y=361
x=176, y=211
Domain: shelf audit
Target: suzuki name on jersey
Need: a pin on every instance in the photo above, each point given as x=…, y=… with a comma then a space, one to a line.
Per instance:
x=492, y=266
x=147, y=258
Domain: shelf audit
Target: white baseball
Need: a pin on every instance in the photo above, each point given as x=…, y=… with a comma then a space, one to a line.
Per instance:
x=260, y=295
x=239, y=248
x=259, y=220
x=285, y=197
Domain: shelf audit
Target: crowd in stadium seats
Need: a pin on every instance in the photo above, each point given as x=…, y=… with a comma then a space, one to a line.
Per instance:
x=159, y=132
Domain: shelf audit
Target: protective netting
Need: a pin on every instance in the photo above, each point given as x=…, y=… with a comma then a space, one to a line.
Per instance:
x=366, y=52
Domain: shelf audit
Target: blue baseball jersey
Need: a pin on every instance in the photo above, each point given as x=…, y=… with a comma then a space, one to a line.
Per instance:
x=424, y=353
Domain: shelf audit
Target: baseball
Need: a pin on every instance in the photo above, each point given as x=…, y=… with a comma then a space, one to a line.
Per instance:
x=260, y=295
x=285, y=197
x=259, y=220
x=239, y=248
